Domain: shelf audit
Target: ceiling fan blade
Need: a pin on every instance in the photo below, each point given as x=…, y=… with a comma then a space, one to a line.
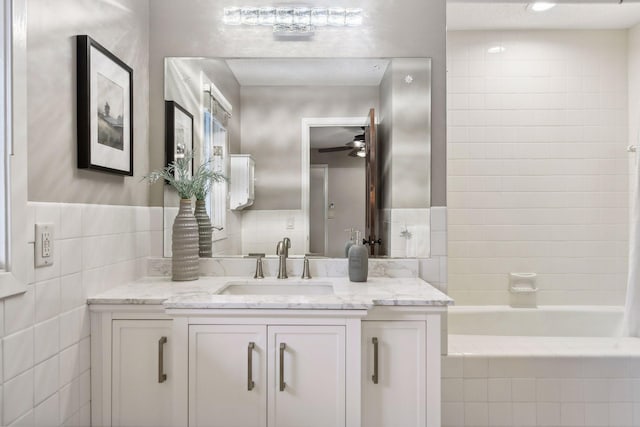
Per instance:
x=333, y=149
x=354, y=152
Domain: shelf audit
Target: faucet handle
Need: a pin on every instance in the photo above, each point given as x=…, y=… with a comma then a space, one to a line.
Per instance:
x=258, y=274
x=280, y=248
x=305, y=268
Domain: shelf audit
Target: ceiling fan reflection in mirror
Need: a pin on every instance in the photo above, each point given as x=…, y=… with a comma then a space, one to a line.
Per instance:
x=356, y=147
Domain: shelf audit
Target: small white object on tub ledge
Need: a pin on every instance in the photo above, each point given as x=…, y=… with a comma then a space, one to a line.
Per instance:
x=523, y=289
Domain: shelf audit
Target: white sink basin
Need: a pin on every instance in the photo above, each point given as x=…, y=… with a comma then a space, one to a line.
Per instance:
x=277, y=288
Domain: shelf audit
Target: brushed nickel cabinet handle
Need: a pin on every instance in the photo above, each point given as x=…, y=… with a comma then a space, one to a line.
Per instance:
x=250, y=383
x=283, y=346
x=374, y=340
x=162, y=377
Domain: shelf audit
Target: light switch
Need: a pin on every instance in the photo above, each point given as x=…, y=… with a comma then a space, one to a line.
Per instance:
x=44, y=245
x=291, y=223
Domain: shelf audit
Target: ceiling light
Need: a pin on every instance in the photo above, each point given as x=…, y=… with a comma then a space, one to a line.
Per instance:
x=362, y=152
x=496, y=49
x=540, y=6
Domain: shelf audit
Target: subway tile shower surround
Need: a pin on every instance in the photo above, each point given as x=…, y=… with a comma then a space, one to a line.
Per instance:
x=538, y=167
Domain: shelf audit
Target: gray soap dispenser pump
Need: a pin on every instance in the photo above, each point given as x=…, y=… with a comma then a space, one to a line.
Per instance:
x=358, y=260
x=349, y=243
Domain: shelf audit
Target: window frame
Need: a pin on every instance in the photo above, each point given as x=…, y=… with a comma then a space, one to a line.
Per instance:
x=14, y=277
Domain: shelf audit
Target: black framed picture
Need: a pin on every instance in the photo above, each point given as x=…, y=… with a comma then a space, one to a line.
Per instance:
x=105, y=109
x=178, y=124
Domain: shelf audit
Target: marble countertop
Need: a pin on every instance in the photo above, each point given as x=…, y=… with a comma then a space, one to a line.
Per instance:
x=203, y=293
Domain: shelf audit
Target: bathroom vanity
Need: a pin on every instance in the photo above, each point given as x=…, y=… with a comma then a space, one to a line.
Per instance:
x=225, y=351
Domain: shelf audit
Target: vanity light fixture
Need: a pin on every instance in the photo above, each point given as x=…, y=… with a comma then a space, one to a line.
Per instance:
x=496, y=49
x=540, y=6
x=293, y=20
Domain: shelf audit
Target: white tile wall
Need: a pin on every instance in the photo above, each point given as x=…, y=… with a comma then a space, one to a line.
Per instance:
x=44, y=333
x=537, y=164
x=263, y=229
x=496, y=391
x=410, y=233
x=434, y=268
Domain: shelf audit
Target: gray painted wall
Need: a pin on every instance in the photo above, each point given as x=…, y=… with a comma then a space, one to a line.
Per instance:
x=272, y=127
x=122, y=27
x=402, y=28
x=347, y=190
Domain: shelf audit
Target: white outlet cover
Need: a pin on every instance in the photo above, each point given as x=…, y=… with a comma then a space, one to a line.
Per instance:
x=41, y=229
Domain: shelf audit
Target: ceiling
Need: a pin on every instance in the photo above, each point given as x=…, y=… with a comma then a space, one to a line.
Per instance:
x=332, y=136
x=514, y=15
x=308, y=72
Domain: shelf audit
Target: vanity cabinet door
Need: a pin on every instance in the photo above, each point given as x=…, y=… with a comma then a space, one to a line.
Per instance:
x=394, y=374
x=141, y=391
x=227, y=375
x=306, y=376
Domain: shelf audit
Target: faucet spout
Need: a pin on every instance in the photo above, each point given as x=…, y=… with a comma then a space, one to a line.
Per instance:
x=282, y=250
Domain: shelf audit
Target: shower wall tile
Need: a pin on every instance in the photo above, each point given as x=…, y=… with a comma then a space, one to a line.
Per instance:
x=538, y=168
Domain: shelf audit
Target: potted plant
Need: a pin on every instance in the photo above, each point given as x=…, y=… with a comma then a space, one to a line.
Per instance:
x=203, y=180
x=185, y=241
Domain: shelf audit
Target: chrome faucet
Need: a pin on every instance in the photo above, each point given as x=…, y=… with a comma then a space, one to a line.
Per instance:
x=282, y=250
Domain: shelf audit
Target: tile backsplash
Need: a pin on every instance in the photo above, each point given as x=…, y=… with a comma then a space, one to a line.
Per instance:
x=538, y=167
x=45, y=332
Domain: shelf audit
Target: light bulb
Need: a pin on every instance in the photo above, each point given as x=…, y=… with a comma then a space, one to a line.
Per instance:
x=541, y=6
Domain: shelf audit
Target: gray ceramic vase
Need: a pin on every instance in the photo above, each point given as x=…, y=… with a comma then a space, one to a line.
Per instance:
x=185, y=263
x=204, y=229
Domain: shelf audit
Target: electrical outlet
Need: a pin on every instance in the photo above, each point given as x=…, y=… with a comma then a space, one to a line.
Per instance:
x=44, y=245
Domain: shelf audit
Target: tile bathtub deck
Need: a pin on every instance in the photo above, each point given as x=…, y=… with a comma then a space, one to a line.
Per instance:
x=532, y=346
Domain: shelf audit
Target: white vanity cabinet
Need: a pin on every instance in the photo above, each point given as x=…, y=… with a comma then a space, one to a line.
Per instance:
x=306, y=376
x=240, y=373
x=139, y=391
x=394, y=373
x=377, y=366
x=227, y=375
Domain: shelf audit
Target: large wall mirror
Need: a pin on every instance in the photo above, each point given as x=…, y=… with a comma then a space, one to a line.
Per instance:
x=315, y=148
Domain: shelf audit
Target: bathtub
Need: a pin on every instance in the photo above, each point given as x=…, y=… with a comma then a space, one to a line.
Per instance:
x=546, y=366
x=546, y=321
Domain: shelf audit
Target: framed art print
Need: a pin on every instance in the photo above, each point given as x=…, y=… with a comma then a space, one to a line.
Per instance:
x=178, y=132
x=105, y=109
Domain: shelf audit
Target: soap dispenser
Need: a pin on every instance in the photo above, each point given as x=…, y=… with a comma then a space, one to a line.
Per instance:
x=358, y=260
x=349, y=243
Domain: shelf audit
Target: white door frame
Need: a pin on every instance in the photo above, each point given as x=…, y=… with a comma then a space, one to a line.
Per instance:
x=307, y=124
x=325, y=216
